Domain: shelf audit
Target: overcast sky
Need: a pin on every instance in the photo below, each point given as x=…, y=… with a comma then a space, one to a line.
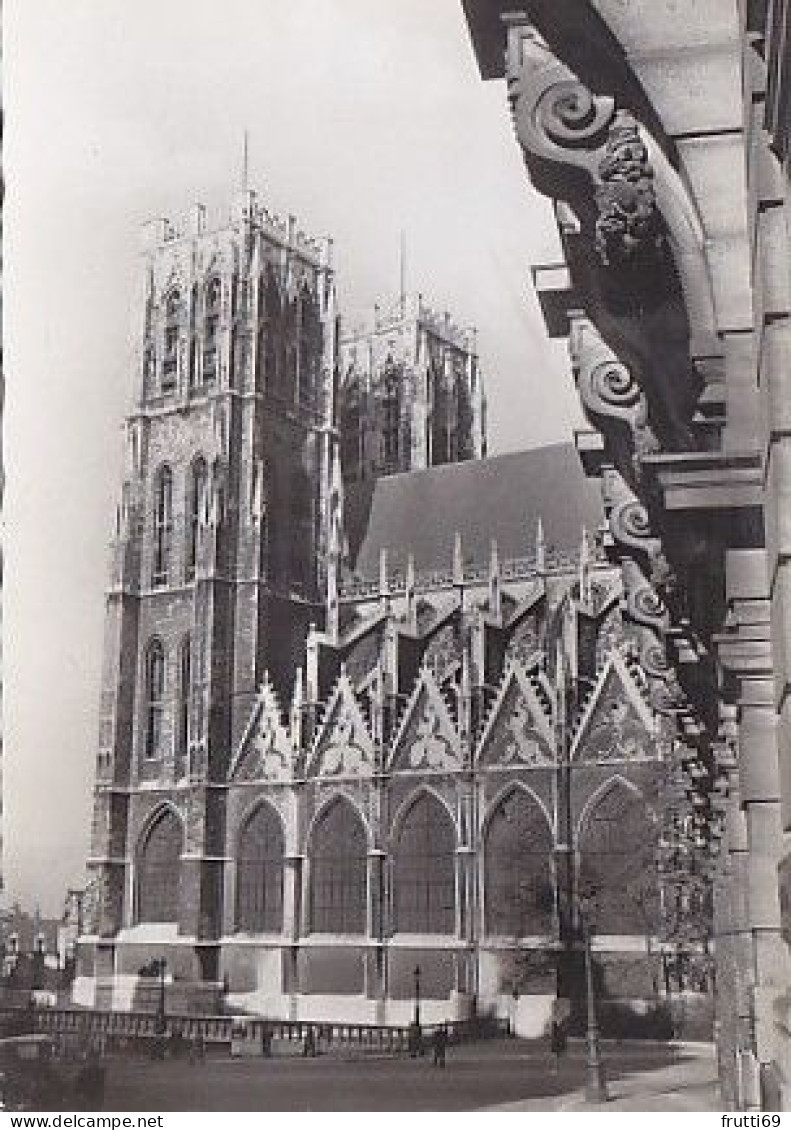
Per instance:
x=364, y=117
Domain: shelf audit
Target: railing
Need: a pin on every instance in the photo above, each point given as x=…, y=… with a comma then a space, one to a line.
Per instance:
x=97, y=1024
x=518, y=568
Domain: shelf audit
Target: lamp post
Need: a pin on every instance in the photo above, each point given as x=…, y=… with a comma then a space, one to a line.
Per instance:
x=161, y=1022
x=595, y=1085
x=417, y=998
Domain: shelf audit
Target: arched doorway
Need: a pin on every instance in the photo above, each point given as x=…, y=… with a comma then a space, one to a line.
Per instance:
x=424, y=870
x=159, y=870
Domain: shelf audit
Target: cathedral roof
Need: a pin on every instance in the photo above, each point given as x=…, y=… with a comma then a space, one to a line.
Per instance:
x=501, y=498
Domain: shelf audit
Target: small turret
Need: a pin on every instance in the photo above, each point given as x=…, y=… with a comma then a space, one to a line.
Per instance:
x=297, y=702
x=541, y=547
x=384, y=581
x=458, y=560
x=495, y=587
x=411, y=606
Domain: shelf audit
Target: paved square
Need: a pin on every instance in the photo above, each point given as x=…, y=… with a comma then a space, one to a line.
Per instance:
x=506, y=1074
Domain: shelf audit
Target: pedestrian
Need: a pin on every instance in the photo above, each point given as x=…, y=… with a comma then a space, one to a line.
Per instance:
x=557, y=1043
x=309, y=1046
x=440, y=1045
x=89, y=1084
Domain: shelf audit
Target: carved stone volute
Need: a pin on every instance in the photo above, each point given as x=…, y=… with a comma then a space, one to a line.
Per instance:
x=581, y=149
x=612, y=399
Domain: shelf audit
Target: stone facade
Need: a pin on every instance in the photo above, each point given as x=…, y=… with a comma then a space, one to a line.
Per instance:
x=216, y=566
x=467, y=763
x=411, y=393
x=664, y=142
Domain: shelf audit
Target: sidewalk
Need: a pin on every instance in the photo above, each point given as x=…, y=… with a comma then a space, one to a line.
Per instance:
x=690, y=1084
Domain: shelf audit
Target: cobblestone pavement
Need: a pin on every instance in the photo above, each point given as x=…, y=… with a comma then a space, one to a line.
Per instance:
x=497, y=1075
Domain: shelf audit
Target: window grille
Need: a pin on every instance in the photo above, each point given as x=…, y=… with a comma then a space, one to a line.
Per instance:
x=259, y=873
x=338, y=880
x=424, y=883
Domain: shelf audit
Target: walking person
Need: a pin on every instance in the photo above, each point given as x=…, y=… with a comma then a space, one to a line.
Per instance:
x=440, y=1045
x=309, y=1046
x=557, y=1044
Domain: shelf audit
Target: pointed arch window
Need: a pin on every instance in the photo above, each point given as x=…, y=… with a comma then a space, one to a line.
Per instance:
x=183, y=707
x=618, y=872
x=259, y=873
x=211, y=327
x=158, y=868
x=193, y=351
x=198, y=483
x=171, y=344
x=163, y=524
x=154, y=680
x=391, y=415
x=424, y=870
x=518, y=885
x=338, y=872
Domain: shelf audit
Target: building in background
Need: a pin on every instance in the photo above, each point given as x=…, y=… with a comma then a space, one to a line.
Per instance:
x=411, y=392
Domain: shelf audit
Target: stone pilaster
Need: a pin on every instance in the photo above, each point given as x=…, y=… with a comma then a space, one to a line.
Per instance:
x=745, y=651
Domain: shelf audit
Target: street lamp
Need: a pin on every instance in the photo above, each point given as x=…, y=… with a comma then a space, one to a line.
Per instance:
x=160, y=966
x=595, y=1085
x=417, y=998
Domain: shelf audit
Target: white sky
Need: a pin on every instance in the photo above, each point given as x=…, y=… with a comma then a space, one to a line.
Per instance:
x=365, y=117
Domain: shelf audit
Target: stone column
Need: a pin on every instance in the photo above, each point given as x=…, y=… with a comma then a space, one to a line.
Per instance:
x=292, y=896
x=745, y=652
x=465, y=862
x=293, y=879
x=376, y=893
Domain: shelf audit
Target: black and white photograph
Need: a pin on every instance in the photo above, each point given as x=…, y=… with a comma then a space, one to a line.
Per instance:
x=396, y=557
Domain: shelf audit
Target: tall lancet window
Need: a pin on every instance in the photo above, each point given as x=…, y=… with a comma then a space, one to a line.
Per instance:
x=183, y=711
x=197, y=503
x=170, y=354
x=193, y=350
x=154, y=676
x=211, y=327
x=163, y=525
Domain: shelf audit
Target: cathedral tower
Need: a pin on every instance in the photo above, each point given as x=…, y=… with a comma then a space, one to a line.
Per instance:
x=411, y=392
x=217, y=561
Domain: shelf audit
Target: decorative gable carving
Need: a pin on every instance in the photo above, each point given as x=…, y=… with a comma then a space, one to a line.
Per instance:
x=265, y=752
x=526, y=626
x=343, y=746
x=443, y=653
x=519, y=728
x=427, y=738
x=616, y=724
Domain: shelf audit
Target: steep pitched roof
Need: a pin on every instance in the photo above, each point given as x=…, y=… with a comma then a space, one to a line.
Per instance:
x=500, y=498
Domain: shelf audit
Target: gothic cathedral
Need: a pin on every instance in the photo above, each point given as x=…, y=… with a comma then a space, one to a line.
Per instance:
x=353, y=721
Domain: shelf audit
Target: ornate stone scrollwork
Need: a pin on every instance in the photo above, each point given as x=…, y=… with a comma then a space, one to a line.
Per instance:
x=582, y=149
x=630, y=527
x=644, y=605
x=612, y=399
x=628, y=228
x=557, y=118
x=553, y=111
